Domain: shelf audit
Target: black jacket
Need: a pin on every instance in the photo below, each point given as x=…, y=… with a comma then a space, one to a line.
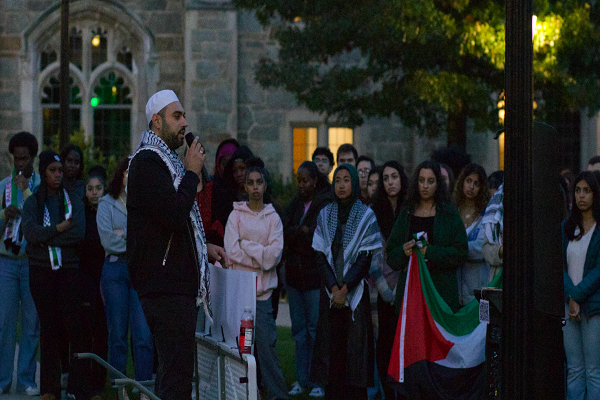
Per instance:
x=301, y=269
x=155, y=213
x=39, y=237
x=91, y=252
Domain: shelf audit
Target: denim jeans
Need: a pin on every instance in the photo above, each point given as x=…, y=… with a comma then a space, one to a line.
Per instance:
x=124, y=311
x=14, y=290
x=582, y=347
x=304, y=313
x=266, y=353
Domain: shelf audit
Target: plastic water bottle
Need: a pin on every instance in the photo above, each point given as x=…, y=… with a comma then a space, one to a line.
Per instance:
x=246, y=331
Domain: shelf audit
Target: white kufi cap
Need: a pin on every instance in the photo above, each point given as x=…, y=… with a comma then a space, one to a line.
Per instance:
x=159, y=101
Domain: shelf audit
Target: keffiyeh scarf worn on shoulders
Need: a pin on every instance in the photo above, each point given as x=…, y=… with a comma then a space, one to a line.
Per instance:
x=150, y=141
x=361, y=234
x=493, y=219
x=54, y=252
x=13, y=237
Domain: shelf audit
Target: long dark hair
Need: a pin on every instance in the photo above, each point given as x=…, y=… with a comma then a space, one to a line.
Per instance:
x=313, y=171
x=381, y=204
x=41, y=194
x=242, y=153
x=482, y=198
x=374, y=171
x=413, y=198
x=576, y=219
x=116, y=184
x=65, y=152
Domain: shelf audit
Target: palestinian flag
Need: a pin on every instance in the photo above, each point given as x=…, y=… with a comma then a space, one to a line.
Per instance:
x=437, y=354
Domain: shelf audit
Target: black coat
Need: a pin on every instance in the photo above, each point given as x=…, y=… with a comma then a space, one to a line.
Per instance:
x=156, y=212
x=301, y=269
x=39, y=237
x=91, y=253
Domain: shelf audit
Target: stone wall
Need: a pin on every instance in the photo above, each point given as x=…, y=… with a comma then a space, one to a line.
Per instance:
x=211, y=75
x=207, y=53
x=14, y=16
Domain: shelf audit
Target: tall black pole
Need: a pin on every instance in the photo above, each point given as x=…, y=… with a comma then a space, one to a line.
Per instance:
x=518, y=288
x=64, y=90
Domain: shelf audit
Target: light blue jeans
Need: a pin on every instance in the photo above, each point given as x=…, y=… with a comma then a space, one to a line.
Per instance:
x=14, y=290
x=582, y=347
x=304, y=313
x=124, y=311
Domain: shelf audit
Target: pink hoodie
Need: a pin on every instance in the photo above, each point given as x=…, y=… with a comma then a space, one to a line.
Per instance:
x=254, y=242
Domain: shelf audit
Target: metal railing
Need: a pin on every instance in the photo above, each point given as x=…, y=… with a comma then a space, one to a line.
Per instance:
x=123, y=381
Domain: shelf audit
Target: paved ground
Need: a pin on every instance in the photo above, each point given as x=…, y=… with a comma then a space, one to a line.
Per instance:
x=283, y=319
x=283, y=316
x=13, y=395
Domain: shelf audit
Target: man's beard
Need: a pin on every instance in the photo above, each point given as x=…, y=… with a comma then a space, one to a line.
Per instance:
x=170, y=137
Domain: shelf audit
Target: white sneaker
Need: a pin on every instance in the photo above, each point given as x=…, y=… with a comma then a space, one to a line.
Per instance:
x=32, y=391
x=296, y=389
x=317, y=392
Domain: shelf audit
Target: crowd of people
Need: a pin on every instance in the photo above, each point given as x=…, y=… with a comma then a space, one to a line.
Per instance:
x=91, y=263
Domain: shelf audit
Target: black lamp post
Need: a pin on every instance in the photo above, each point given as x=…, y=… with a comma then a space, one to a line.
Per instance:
x=65, y=87
x=532, y=298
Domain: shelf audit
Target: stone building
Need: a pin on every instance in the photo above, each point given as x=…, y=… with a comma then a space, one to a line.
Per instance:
x=206, y=51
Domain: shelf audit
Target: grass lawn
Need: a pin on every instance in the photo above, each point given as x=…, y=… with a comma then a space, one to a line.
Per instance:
x=285, y=350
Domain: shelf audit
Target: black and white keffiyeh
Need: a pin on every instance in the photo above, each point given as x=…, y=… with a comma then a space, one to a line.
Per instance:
x=493, y=218
x=13, y=237
x=150, y=141
x=361, y=234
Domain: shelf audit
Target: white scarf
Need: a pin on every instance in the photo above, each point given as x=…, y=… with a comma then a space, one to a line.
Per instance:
x=150, y=141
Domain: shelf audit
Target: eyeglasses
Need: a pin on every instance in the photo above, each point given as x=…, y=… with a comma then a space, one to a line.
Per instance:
x=364, y=172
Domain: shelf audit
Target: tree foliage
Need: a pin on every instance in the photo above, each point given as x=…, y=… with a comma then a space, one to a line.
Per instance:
x=91, y=155
x=434, y=63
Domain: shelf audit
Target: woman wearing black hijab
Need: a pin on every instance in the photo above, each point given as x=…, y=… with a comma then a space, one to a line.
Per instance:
x=346, y=234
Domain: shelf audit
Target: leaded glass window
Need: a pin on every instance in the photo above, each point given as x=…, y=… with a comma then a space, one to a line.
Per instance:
x=51, y=108
x=124, y=57
x=47, y=57
x=102, y=64
x=112, y=116
x=76, y=45
x=99, y=47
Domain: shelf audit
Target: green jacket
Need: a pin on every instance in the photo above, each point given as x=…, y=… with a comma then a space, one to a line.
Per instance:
x=448, y=251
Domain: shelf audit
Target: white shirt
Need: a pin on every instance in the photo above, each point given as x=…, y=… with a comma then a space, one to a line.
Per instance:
x=576, y=252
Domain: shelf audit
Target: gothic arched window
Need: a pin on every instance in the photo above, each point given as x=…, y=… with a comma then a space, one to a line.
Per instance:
x=112, y=116
x=51, y=108
x=101, y=104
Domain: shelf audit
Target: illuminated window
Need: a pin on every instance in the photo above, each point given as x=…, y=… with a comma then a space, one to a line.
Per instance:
x=101, y=107
x=305, y=143
x=501, y=147
x=338, y=137
x=112, y=116
x=99, y=47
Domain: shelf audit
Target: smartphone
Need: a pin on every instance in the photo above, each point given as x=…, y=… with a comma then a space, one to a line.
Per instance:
x=189, y=138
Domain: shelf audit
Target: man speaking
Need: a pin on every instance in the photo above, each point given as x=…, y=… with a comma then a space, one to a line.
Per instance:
x=167, y=251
